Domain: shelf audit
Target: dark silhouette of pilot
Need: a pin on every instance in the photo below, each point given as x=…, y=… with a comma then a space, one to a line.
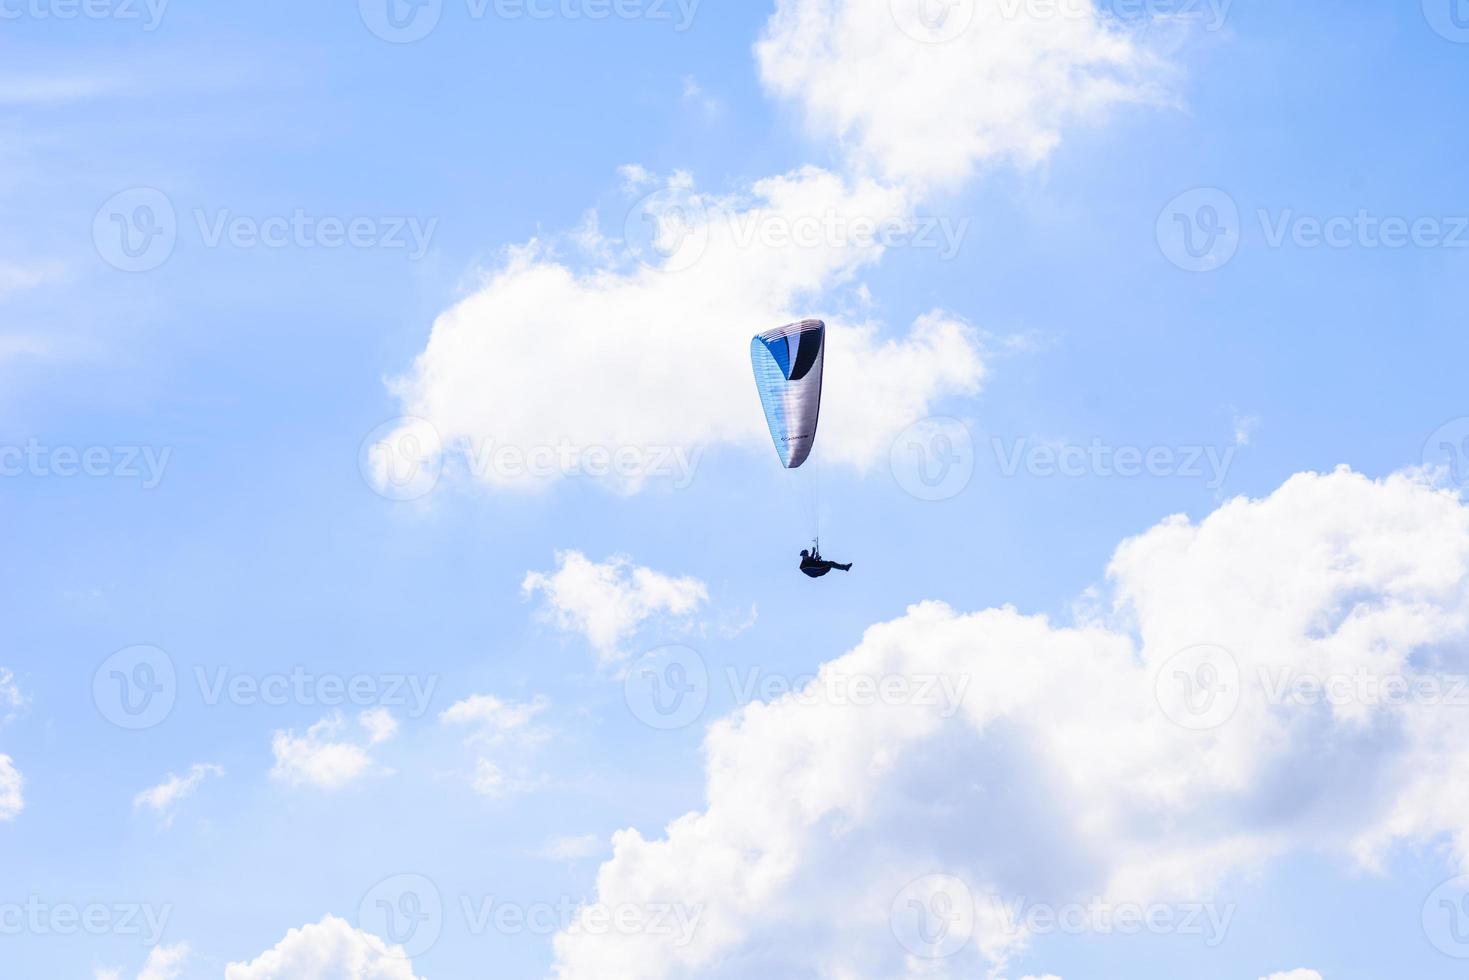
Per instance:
x=815, y=566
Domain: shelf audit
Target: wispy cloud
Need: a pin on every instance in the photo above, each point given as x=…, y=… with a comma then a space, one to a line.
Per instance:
x=164, y=799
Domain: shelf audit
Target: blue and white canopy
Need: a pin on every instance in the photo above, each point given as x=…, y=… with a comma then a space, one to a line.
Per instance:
x=788, y=365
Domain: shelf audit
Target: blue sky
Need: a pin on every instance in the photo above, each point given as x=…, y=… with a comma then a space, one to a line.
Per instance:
x=260, y=544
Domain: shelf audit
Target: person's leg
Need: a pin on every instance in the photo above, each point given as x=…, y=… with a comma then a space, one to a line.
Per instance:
x=846, y=568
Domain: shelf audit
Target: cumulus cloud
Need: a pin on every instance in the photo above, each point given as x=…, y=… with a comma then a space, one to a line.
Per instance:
x=328, y=950
x=12, y=799
x=165, y=798
x=1173, y=724
x=323, y=757
x=929, y=101
x=628, y=375
x=609, y=602
x=163, y=963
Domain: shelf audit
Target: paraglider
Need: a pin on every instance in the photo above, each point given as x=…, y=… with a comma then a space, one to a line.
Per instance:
x=789, y=364
x=815, y=566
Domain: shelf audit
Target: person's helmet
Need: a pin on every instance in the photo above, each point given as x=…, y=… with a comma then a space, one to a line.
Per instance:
x=805, y=554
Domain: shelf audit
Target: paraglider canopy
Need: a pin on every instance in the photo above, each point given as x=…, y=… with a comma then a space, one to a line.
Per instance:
x=788, y=365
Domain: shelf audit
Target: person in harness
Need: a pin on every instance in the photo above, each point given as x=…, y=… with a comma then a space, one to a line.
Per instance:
x=813, y=565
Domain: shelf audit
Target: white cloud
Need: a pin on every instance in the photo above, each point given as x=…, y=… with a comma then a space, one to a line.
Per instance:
x=321, y=758
x=11, y=698
x=493, y=718
x=546, y=372
x=329, y=950
x=1294, y=975
x=1244, y=428
x=608, y=602
x=821, y=810
x=493, y=722
x=380, y=724
x=1001, y=87
x=163, y=963
x=12, y=784
x=164, y=798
